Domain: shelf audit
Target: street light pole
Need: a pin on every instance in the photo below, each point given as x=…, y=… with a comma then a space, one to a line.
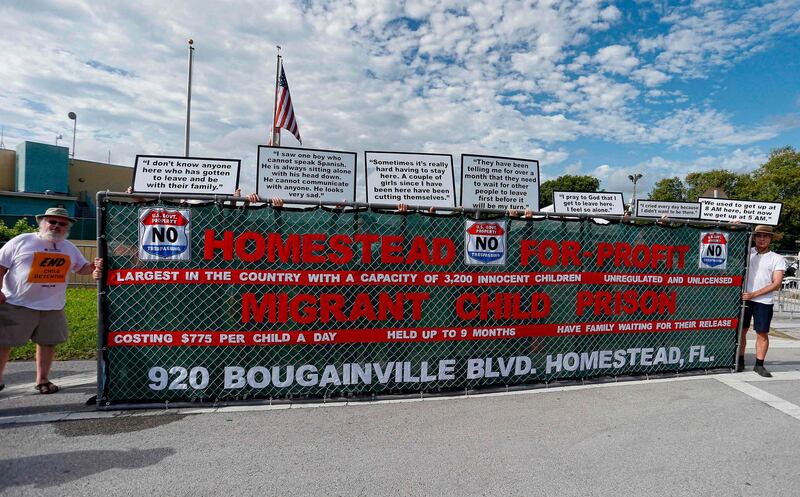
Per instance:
x=635, y=179
x=74, y=118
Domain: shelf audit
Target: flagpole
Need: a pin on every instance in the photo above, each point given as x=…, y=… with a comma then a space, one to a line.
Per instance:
x=276, y=132
x=189, y=98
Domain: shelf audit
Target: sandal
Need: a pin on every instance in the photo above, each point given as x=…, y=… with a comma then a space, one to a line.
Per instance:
x=47, y=388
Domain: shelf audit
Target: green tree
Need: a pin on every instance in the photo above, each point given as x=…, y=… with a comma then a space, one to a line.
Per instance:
x=21, y=226
x=732, y=183
x=669, y=189
x=778, y=180
x=566, y=183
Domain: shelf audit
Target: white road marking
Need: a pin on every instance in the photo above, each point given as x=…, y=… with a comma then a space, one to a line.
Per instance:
x=85, y=379
x=739, y=381
x=743, y=385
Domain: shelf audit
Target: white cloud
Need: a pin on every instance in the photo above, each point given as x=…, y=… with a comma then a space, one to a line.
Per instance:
x=616, y=59
x=599, y=93
x=708, y=127
x=650, y=77
x=706, y=35
x=615, y=177
x=610, y=13
x=508, y=77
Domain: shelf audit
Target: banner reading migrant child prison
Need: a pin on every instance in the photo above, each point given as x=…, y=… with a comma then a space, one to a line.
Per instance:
x=271, y=303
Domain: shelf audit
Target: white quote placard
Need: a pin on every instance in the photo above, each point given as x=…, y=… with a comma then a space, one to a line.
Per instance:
x=306, y=174
x=659, y=208
x=410, y=178
x=187, y=175
x=600, y=203
x=489, y=182
x=726, y=210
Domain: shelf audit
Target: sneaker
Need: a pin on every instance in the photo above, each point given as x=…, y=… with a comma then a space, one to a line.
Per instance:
x=740, y=367
x=761, y=370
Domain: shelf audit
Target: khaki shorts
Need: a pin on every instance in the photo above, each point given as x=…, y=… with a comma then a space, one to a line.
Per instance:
x=19, y=324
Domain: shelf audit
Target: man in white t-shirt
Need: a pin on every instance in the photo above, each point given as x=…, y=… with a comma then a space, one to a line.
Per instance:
x=764, y=277
x=33, y=286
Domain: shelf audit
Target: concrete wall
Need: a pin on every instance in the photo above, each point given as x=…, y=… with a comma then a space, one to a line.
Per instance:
x=47, y=167
x=41, y=167
x=88, y=178
x=21, y=204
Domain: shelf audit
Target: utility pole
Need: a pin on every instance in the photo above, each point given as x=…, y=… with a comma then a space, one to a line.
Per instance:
x=189, y=98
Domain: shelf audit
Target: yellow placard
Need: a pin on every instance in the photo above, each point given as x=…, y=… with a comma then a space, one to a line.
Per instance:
x=49, y=267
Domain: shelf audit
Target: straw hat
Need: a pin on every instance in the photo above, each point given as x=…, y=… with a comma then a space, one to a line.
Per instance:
x=763, y=228
x=55, y=212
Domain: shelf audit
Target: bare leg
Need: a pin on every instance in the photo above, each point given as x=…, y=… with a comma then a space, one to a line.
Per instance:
x=44, y=361
x=4, y=353
x=743, y=341
x=762, y=345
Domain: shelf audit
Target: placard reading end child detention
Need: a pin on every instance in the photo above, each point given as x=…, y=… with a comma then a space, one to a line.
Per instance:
x=601, y=203
x=327, y=176
x=410, y=178
x=188, y=175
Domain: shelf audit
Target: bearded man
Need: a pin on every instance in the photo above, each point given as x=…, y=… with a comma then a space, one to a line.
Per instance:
x=33, y=283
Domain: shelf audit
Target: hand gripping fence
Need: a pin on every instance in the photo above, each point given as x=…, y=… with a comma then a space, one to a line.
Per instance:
x=322, y=303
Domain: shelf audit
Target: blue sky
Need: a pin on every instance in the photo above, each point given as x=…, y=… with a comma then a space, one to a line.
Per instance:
x=602, y=88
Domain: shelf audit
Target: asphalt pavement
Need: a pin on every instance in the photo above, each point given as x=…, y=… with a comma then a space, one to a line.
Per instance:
x=722, y=434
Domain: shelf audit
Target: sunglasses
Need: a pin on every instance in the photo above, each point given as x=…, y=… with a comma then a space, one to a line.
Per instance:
x=53, y=222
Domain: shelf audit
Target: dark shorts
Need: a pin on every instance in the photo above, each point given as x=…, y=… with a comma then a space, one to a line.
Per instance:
x=20, y=324
x=761, y=314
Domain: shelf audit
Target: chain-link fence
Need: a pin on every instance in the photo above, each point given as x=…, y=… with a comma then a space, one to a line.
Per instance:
x=278, y=304
x=89, y=251
x=788, y=300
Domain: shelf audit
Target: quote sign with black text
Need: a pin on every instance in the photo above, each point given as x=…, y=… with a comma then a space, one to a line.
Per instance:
x=499, y=183
x=677, y=210
x=187, y=175
x=728, y=210
x=601, y=203
x=306, y=174
x=412, y=178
